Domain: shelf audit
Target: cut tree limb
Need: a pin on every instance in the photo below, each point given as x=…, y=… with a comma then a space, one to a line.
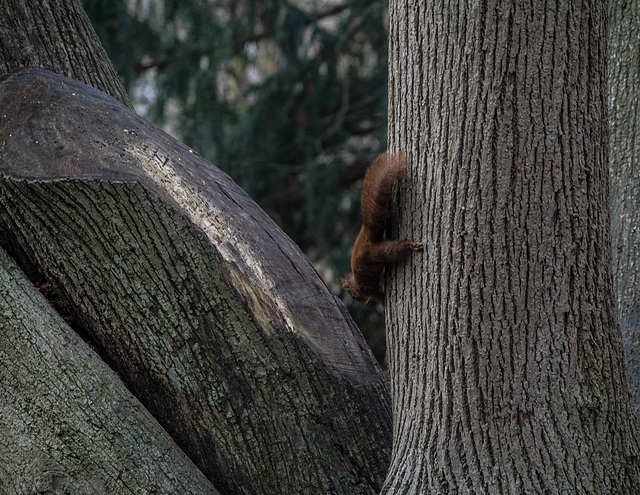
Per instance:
x=209, y=312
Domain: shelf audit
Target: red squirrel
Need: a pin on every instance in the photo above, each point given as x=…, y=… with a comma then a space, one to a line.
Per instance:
x=371, y=253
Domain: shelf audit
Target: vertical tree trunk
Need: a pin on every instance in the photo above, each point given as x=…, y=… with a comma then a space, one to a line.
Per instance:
x=506, y=362
x=58, y=36
x=624, y=78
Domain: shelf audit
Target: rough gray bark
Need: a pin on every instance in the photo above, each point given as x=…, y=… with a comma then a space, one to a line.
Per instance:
x=211, y=315
x=58, y=36
x=505, y=353
x=624, y=87
x=68, y=424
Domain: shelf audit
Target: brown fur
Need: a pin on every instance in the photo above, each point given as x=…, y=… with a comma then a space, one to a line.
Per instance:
x=371, y=253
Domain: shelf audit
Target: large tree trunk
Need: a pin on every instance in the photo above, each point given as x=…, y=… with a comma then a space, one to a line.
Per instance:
x=507, y=366
x=624, y=80
x=209, y=313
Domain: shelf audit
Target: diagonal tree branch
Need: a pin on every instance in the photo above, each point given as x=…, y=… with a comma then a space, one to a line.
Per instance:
x=211, y=315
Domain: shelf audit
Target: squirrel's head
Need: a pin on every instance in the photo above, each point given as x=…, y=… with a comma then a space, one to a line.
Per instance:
x=350, y=286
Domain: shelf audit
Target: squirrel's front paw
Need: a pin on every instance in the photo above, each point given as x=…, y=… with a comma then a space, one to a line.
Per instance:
x=415, y=246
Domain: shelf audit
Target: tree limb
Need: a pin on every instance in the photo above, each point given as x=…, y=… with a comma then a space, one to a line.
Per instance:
x=212, y=316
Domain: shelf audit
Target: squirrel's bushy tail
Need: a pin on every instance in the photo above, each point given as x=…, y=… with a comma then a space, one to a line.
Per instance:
x=377, y=190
